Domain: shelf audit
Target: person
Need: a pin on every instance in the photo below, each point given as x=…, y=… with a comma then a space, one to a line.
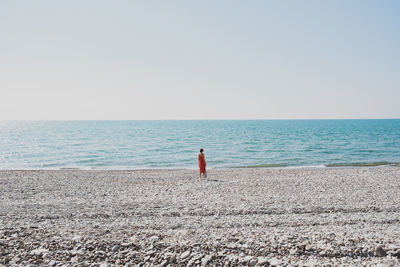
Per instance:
x=202, y=164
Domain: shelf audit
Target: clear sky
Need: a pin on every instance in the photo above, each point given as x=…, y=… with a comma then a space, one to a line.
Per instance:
x=199, y=59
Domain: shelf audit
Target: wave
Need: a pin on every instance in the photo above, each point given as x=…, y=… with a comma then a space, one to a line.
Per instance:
x=328, y=165
x=363, y=164
x=271, y=165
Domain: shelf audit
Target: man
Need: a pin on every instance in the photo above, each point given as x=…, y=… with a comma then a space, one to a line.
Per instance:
x=202, y=164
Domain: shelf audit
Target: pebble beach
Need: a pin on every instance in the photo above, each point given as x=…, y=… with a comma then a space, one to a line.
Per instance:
x=235, y=217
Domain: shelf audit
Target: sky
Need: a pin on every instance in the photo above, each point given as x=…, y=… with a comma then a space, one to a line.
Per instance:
x=156, y=60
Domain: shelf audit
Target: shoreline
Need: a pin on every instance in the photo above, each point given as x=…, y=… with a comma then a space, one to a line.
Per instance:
x=261, y=166
x=249, y=216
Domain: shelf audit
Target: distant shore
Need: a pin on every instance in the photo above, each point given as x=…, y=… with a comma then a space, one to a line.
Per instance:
x=245, y=216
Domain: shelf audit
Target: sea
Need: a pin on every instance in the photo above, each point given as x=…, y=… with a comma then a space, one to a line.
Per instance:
x=175, y=144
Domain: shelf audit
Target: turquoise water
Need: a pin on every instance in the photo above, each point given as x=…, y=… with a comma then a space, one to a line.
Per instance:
x=175, y=144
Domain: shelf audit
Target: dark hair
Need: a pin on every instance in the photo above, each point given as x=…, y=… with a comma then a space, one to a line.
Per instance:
x=201, y=150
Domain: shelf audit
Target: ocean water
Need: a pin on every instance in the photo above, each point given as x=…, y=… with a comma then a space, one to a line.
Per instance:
x=175, y=144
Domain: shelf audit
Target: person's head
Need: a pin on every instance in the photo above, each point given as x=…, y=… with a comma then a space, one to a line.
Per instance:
x=201, y=150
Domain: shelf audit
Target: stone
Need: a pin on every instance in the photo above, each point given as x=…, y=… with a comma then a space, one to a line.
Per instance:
x=135, y=222
x=247, y=258
x=232, y=258
x=380, y=251
x=308, y=248
x=154, y=238
x=115, y=248
x=168, y=254
x=231, y=246
x=311, y=264
x=393, y=247
x=150, y=253
x=100, y=253
x=77, y=237
x=103, y=265
x=275, y=262
x=205, y=260
x=185, y=254
x=16, y=259
x=39, y=251
x=262, y=260
x=253, y=262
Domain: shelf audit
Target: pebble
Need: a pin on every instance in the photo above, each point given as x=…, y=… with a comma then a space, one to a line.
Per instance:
x=185, y=254
x=311, y=264
x=154, y=238
x=151, y=252
x=380, y=251
x=16, y=259
x=253, y=262
x=77, y=237
x=251, y=217
x=262, y=260
x=247, y=258
x=393, y=247
x=308, y=248
x=275, y=262
x=205, y=260
x=39, y=251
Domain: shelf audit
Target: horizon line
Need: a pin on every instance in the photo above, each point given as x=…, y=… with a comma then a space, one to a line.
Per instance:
x=283, y=119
